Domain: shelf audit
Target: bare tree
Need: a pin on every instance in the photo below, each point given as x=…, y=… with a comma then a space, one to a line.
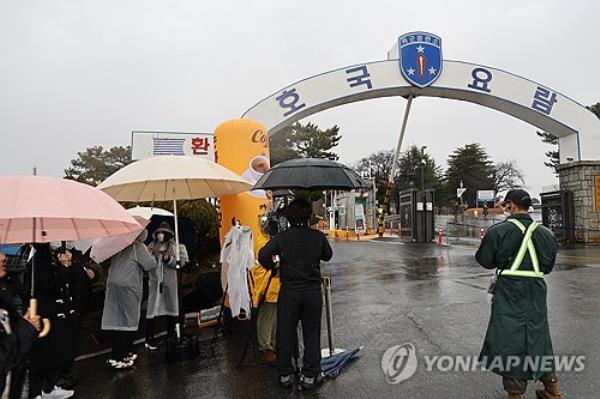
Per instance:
x=378, y=164
x=507, y=176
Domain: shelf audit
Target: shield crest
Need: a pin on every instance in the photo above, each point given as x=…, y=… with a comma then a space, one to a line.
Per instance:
x=420, y=58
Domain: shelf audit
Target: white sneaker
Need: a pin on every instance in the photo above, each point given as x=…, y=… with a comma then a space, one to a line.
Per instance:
x=58, y=393
x=151, y=346
x=120, y=364
x=38, y=397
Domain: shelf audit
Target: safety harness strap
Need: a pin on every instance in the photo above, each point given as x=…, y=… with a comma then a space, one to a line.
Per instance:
x=526, y=246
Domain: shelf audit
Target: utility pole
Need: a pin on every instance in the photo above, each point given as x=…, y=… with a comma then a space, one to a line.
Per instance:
x=423, y=195
x=390, y=182
x=374, y=198
x=423, y=164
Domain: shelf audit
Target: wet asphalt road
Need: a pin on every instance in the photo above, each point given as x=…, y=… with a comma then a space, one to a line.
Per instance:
x=384, y=294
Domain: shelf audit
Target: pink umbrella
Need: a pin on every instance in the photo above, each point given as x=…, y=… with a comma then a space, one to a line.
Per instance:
x=39, y=209
x=105, y=247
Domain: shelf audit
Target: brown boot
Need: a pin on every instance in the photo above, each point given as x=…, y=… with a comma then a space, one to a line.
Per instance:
x=550, y=391
x=268, y=357
x=515, y=396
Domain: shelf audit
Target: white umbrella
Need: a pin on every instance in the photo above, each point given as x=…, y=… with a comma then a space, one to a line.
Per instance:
x=147, y=212
x=172, y=178
x=168, y=178
x=104, y=248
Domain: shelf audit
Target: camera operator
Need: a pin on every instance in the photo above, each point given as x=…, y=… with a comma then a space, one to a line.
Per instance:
x=300, y=250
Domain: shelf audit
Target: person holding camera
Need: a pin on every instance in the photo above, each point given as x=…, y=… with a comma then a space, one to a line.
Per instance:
x=300, y=250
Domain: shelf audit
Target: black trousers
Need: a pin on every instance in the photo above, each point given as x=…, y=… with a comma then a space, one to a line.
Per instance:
x=122, y=344
x=293, y=306
x=45, y=380
x=17, y=380
x=151, y=327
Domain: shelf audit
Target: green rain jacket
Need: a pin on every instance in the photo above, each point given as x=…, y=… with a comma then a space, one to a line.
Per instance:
x=518, y=344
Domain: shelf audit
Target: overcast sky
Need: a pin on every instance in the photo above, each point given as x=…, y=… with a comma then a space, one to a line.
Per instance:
x=79, y=73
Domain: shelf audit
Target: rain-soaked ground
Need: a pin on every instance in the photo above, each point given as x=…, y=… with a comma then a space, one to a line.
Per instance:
x=384, y=294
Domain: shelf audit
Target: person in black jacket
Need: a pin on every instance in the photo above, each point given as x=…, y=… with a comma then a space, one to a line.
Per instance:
x=81, y=291
x=17, y=334
x=300, y=250
x=54, y=282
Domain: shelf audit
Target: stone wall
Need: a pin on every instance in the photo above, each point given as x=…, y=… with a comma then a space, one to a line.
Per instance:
x=579, y=177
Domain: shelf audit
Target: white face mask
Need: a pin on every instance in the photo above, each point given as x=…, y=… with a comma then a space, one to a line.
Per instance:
x=160, y=237
x=54, y=245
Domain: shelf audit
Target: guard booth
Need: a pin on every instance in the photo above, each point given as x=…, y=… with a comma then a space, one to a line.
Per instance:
x=558, y=214
x=417, y=214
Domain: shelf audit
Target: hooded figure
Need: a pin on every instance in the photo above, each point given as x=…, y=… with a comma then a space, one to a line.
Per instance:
x=122, y=304
x=162, y=282
x=124, y=286
x=237, y=258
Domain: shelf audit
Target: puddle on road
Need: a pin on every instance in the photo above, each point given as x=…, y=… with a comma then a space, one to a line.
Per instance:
x=425, y=268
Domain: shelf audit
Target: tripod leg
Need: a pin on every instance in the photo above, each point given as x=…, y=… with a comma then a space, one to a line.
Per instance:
x=219, y=326
x=249, y=338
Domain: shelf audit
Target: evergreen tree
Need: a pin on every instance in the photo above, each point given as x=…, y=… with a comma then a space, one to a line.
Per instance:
x=95, y=164
x=472, y=165
x=304, y=141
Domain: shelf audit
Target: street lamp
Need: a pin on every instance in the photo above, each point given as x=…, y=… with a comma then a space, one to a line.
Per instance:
x=423, y=195
x=423, y=163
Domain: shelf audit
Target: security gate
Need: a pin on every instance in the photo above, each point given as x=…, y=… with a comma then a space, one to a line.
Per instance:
x=558, y=214
x=416, y=214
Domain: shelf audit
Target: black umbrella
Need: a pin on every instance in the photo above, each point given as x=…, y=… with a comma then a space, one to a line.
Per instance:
x=332, y=366
x=310, y=174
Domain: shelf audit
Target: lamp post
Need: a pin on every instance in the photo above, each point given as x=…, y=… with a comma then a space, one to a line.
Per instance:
x=423, y=164
x=423, y=195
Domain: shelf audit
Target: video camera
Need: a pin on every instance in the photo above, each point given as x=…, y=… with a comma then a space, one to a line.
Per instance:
x=274, y=220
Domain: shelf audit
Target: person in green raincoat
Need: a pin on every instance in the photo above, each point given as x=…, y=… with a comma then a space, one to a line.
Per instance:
x=517, y=345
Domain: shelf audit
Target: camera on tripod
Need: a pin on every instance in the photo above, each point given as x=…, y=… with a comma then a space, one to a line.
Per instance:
x=274, y=220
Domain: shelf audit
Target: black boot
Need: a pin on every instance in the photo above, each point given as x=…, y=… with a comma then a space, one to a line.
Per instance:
x=308, y=383
x=286, y=381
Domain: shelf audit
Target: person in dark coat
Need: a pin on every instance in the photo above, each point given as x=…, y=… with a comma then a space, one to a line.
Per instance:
x=17, y=334
x=517, y=344
x=300, y=250
x=54, y=278
x=81, y=290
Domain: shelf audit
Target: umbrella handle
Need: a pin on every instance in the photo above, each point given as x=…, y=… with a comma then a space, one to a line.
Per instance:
x=33, y=311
